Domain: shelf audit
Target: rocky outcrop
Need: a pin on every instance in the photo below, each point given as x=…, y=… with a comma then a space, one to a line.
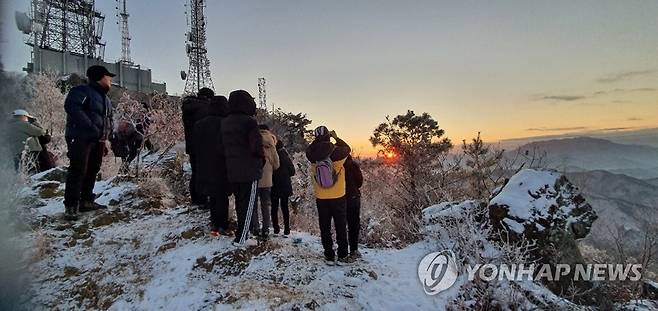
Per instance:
x=54, y=174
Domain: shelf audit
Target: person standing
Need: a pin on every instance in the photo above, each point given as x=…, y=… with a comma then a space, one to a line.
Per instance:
x=327, y=161
x=243, y=149
x=282, y=189
x=211, y=163
x=24, y=132
x=353, y=183
x=194, y=109
x=88, y=127
x=265, y=182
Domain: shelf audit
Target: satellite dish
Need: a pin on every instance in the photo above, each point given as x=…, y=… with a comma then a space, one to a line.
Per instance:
x=23, y=22
x=183, y=75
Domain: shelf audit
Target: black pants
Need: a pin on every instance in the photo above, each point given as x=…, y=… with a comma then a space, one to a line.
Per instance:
x=353, y=221
x=195, y=194
x=85, y=159
x=283, y=202
x=219, y=210
x=242, y=191
x=329, y=209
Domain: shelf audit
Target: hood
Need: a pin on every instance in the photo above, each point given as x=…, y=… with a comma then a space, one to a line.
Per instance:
x=269, y=141
x=241, y=102
x=319, y=150
x=218, y=106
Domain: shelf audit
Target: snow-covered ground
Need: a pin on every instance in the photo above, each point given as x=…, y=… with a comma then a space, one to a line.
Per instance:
x=131, y=259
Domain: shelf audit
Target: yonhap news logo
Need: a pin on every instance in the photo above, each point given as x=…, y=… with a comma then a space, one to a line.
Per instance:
x=438, y=272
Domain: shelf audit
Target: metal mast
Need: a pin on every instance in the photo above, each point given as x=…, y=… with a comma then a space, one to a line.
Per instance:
x=122, y=15
x=198, y=74
x=262, y=95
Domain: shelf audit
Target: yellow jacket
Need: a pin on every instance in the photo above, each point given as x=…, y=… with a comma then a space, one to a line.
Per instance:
x=320, y=149
x=337, y=190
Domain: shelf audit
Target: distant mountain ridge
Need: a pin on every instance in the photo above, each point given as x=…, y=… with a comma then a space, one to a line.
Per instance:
x=587, y=154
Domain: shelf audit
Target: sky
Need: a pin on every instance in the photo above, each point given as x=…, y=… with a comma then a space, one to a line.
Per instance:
x=508, y=69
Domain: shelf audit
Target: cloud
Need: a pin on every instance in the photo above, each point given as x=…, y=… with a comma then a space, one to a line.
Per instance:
x=556, y=129
x=617, y=91
x=566, y=98
x=634, y=119
x=624, y=75
x=621, y=101
x=616, y=129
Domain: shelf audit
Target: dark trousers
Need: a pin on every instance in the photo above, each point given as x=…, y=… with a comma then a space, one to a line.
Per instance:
x=85, y=159
x=329, y=209
x=353, y=221
x=242, y=191
x=219, y=211
x=195, y=194
x=283, y=202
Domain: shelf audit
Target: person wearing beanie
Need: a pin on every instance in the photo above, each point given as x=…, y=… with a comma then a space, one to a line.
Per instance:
x=88, y=127
x=243, y=149
x=211, y=164
x=195, y=108
x=282, y=189
x=327, y=161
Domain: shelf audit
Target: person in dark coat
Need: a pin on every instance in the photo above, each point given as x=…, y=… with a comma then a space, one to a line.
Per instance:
x=211, y=164
x=330, y=200
x=194, y=109
x=353, y=183
x=282, y=189
x=243, y=149
x=126, y=143
x=88, y=128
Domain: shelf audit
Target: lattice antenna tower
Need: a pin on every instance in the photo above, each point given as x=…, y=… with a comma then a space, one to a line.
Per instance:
x=68, y=26
x=198, y=74
x=122, y=21
x=262, y=94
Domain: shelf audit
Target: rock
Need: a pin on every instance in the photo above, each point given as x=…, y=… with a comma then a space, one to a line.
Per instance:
x=650, y=290
x=108, y=218
x=48, y=189
x=193, y=233
x=535, y=203
x=54, y=174
x=543, y=207
x=71, y=271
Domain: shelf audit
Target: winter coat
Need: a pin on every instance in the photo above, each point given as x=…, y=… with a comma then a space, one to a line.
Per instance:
x=194, y=109
x=271, y=159
x=24, y=133
x=319, y=150
x=281, y=183
x=88, y=113
x=210, y=159
x=126, y=141
x=353, y=178
x=243, y=144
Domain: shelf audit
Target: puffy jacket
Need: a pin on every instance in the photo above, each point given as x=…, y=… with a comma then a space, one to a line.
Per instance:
x=319, y=150
x=243, y=144
x=271, y=159
x=23, y=133
x=281, y=183
x=353, y=178
x=211, y=162
x=88, y=113
x=194, y=109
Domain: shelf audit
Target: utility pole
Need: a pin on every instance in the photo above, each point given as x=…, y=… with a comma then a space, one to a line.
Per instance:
x=198, y=74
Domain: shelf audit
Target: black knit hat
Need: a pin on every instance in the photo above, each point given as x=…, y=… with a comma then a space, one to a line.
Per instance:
x=97, y=72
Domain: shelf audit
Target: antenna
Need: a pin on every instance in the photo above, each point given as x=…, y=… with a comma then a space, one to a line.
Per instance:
x=198, y=74
x=262, y=95
x=122, y=16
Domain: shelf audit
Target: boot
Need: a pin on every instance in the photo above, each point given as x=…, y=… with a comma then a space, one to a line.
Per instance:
x=88, y=206
x=71, y=213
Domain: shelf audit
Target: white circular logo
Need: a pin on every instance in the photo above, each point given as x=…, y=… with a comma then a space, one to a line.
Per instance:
x=438, y=271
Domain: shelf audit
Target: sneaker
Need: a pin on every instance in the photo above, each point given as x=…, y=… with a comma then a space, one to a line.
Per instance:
x=330, y=262
x=286, y=232
x=237, y=244
x=88, y=206
x=344, y=261
x=71, y=213
x=214, y=233
x=355, y=254
x=225, y=232
x=276, y=232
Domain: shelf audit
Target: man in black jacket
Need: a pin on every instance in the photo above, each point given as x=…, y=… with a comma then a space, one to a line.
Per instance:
x=211, y=164
x=243, y=149
x=194, y=109
x=88, y=127
x=282, y=189
x=353, y=181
